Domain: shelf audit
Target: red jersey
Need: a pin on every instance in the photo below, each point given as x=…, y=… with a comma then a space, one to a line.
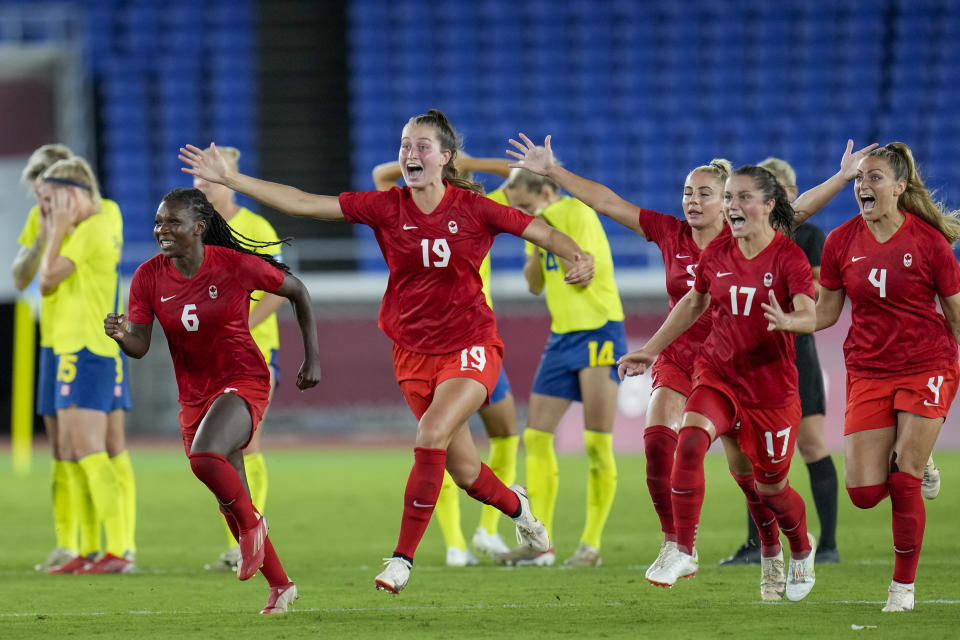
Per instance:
x=434, y=301
x=205, y=318
x=674, y=237
x=758, y=364
x=893, y=287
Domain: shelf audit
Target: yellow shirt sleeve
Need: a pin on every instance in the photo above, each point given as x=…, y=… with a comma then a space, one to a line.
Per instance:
x=257, y=228
x=499, y=197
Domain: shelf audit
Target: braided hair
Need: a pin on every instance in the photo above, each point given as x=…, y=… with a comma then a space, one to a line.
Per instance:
x=217, y=232
x=781, y=218
x=449, y=141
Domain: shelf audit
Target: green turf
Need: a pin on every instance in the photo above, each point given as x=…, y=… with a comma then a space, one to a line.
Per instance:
x=335, y=514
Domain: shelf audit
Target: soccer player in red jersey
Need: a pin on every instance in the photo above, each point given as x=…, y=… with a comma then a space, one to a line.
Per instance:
x=433, y=234
x=199, y=289
x=745, y=379
x=894, y=261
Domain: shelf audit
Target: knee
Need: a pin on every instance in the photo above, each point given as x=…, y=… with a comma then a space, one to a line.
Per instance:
x=432, y=435
x=869, y=496
x=537, y=442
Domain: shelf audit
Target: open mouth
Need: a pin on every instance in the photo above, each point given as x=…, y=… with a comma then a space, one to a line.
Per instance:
x=867, y=202
x=165, y=243
x=736, y=220
x=414, y=171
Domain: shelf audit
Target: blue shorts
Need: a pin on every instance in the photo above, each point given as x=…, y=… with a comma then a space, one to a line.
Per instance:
x=567, y=353
x=88, y=381
x=47, y=383
x=274, y=363
x=502, y=389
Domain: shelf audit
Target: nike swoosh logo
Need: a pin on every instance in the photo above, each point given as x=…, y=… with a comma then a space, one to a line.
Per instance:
x=769, y=475
x=857, y=258
x=407, y=227
x=927, y=403
x=423, y=506
x=680, y=257
x=776, y=461
x=162, y=299
x=725, y=273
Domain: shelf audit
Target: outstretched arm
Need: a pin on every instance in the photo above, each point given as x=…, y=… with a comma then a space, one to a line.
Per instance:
x=293, y=290
x=829, y=306
x=595, y=195
x=817, y=198
x=209, y=165
x=134, y=339
x=577, y=263
x=687, y=310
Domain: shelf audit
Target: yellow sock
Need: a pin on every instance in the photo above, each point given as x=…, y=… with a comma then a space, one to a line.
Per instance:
x=601, y=484
x=447, y=513
x=256, y=468
x=66, y=518
x=503, y=463
x=128, y=487
x=107, y=499
x=543, y=475
x=86, y=514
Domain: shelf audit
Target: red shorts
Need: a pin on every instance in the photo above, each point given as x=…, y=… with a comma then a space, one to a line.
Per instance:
x=873, y=403
x=666, y=373
x=419, y=373
x=256, y=395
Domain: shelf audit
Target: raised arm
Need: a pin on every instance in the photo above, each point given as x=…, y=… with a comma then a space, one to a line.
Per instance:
x=595, y=195
x=814, y=199
x=209, y=165
x=54, y=267
x=294, y=291
x=134, y=339
x=829, y=306
x=687, y=310
x=578, y=264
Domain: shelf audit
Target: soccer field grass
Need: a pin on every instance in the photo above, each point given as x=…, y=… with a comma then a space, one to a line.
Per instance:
x=335, y=513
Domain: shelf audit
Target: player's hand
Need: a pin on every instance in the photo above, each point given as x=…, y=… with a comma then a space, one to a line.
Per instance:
x=64, y=209
x=531, y=157
x=777, y=319
x=309, y=375
x=207, y=164
x=634, y=363
x=581, y=271
x=114, y=325
x=851, y=160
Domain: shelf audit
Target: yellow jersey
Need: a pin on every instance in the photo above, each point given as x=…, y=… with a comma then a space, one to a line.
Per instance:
x=85, y=297
x=28, y=236
x=256, y=227
x=575, y=308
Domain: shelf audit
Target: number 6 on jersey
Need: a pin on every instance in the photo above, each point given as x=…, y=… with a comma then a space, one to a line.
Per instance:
x=189, y=317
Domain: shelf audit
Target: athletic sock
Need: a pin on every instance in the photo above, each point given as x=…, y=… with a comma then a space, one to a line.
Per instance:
x=271, y=568
x=601, y=484
x=542, y=474
x=89, y=525
x=660, y=445
x=488, y=489
x=224, y=482
x=503, y=463
x=689, y=485
x=823, y=486
x=767, y=534
x=909, y=520
x=128, y=487
x=792, y=518
x=420, y=498
x=66, y=519
x=447, y=513
x=107, y=500
x=255, y=468
x=753, y=533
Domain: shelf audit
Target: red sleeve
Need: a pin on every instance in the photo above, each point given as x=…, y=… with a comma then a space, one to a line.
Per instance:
x=503, y=219
x=946, y=270
x=701, y=273
x=139, y=306
x=656, y=225
x=361, y=206
x=829, y=265
x=257, y=274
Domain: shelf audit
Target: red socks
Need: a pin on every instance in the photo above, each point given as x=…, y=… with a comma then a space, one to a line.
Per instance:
x=488, y=489
x=420, y=497
x=223, y=480
x=909, y=520
x=763, y=517
x=791, y=514
x=688, y=485
x=271, y=568
x=660, y=444
x=869, y=496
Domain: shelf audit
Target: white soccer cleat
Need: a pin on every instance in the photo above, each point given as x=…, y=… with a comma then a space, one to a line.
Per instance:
x=677, y=565
x=801, y=576
x=280, y=598
x=585, y=556
x=490, y=544
x=930, y=488
x=899, y=597
x=460, y=558
x=395, y=575
x=530, y=531
x=667, y=549
x=523, y=556
x=56, y=559
x=773, y=578
x=229, y=560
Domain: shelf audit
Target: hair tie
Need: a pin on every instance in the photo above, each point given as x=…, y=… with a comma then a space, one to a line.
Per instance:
x=68, y=182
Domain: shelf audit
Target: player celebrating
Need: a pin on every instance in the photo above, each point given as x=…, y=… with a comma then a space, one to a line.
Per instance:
x=745, y=380
x=433, y=234
x=894, y=261
x=263, y=328
x=199, y=289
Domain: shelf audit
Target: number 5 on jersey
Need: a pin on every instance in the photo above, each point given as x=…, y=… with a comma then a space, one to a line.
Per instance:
x=189, y=317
